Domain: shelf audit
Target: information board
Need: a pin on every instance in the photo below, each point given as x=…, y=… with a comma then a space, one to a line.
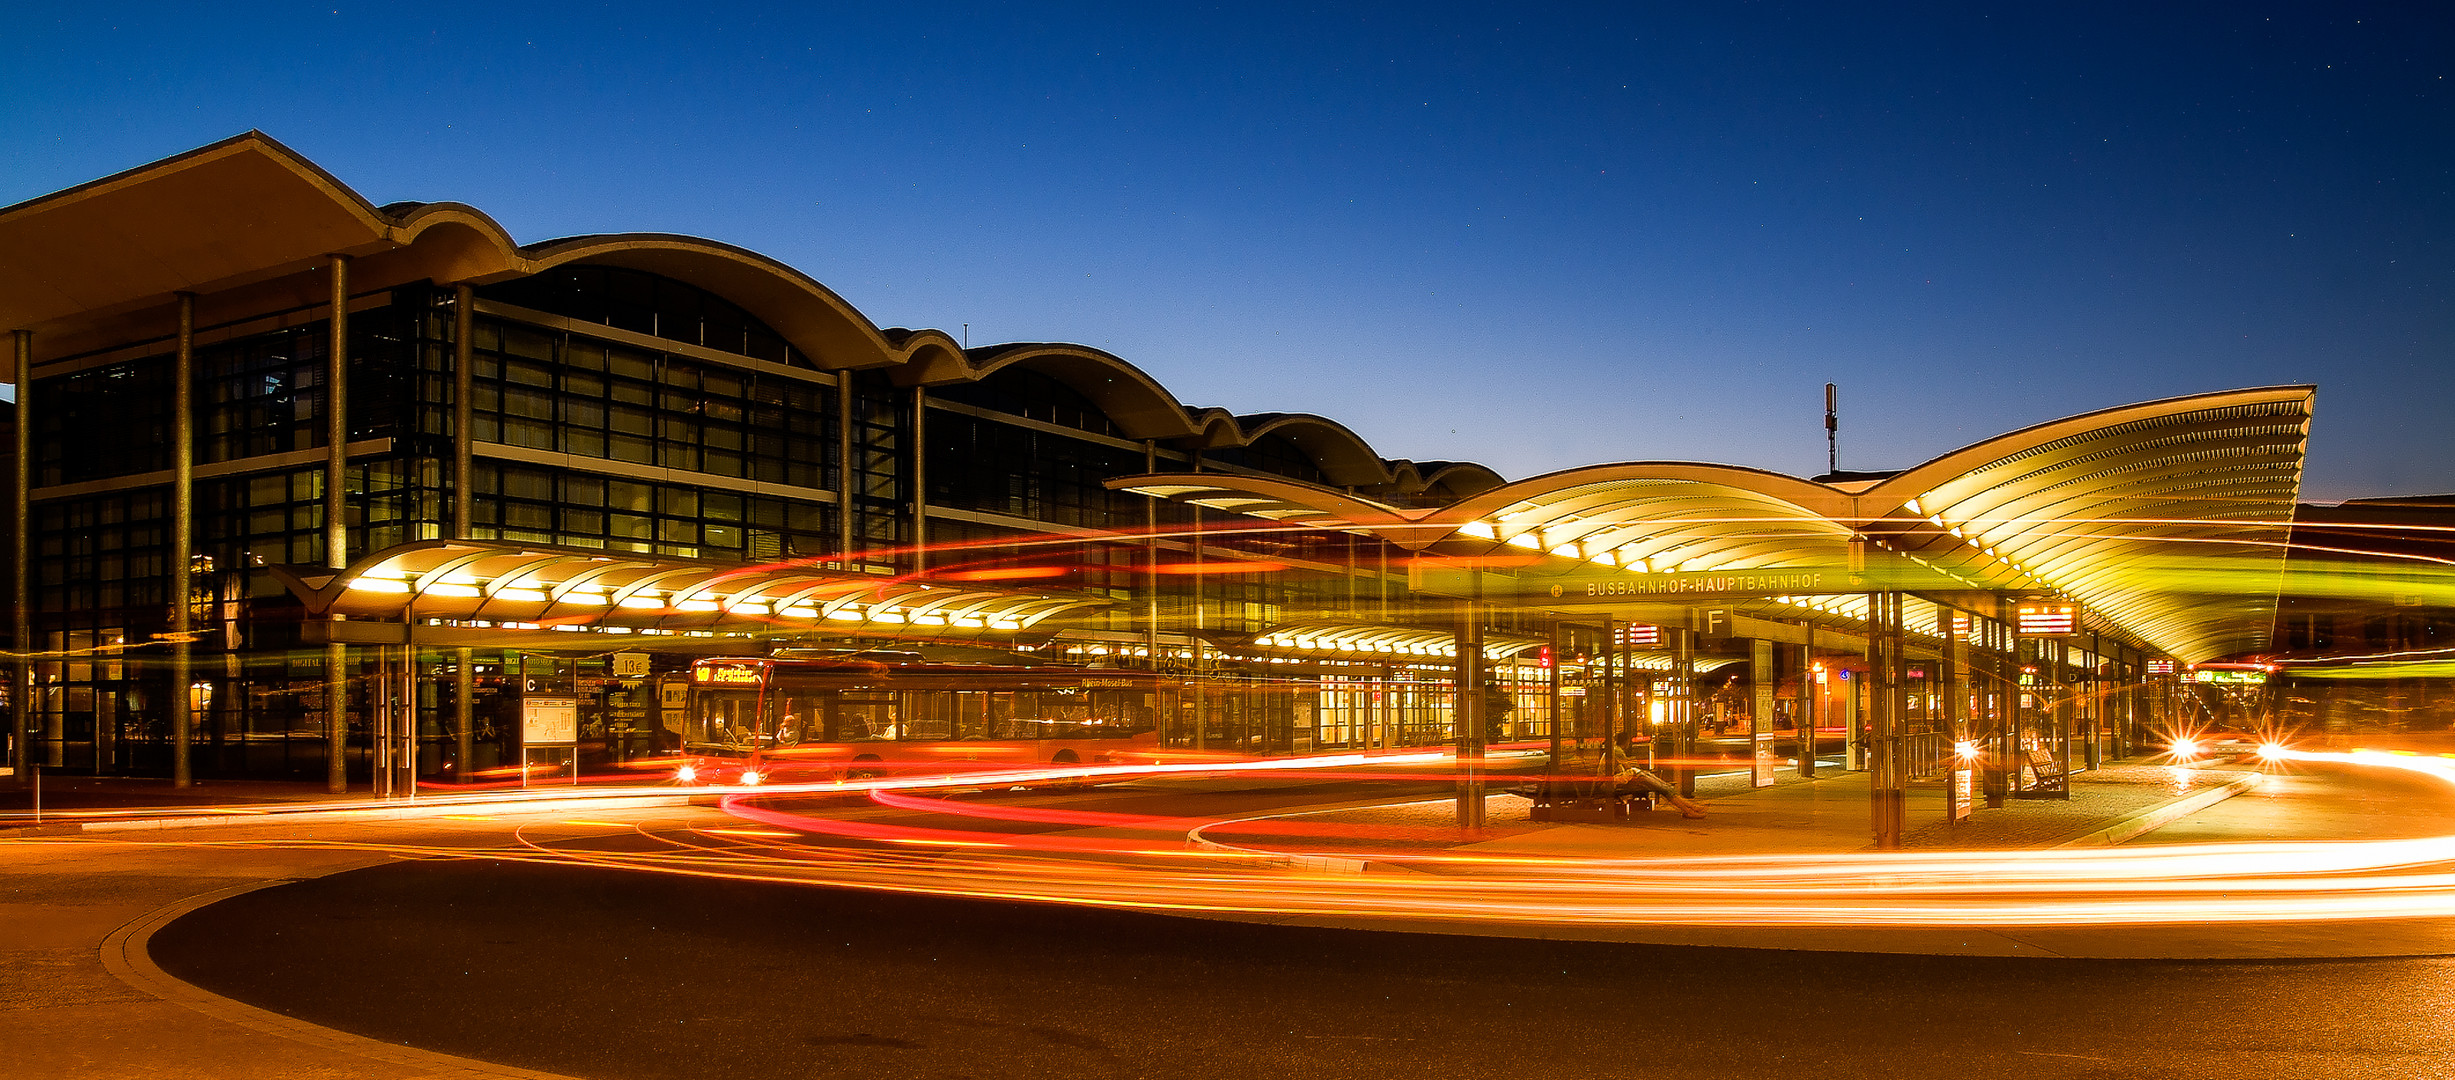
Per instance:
x=549, y=721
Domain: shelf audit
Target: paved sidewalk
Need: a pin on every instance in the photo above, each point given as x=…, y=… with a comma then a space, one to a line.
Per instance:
x=80, y=998
x=1825, y=814
x=68, y=796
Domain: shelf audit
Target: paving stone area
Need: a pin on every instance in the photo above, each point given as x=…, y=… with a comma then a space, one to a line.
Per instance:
x=2099, y=798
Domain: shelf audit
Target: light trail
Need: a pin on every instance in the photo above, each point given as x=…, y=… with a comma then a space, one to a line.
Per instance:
x=1123, y=861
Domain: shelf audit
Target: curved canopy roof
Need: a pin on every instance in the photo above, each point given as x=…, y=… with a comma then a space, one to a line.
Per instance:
x=1379, y=641
x=541, y=586
x=248, y=226
x=2167, y=518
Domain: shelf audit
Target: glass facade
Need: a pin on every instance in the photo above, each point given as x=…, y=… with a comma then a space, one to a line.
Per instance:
x=609, y=409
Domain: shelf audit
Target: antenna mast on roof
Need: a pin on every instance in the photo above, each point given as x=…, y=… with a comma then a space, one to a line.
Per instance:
x=1832, y=423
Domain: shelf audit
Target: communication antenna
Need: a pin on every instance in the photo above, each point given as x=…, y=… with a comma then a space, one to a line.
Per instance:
x=1832, y=424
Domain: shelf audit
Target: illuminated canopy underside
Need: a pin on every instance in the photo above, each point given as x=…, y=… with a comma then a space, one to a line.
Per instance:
x=2167, y=518
x=1378, y=641
x=542, y=586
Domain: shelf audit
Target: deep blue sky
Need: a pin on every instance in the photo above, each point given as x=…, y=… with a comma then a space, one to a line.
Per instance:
x=1526, y=235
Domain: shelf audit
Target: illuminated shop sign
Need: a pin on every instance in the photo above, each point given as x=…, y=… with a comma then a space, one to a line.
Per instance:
x=2238, y=678
x=2047, y=620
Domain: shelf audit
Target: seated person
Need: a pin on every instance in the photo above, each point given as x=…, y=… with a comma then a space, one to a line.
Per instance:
x=1633, y=780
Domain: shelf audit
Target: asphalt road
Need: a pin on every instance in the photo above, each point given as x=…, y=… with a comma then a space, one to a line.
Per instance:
x=612, y=974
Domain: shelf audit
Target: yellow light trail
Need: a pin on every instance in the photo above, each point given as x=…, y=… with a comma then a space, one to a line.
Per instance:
x=2205, y=884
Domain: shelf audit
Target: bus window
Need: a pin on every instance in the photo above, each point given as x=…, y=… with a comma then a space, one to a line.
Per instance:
x=1120, y=713
x=973, y=721
x=863, y=716
x=797, y=718
x=930, y=714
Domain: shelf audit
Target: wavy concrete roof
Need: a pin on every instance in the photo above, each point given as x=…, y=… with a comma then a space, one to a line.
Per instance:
x=247, y=223
x=2166, y=517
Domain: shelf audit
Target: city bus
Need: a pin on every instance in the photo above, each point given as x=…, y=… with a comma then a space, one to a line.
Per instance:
x=799, y=720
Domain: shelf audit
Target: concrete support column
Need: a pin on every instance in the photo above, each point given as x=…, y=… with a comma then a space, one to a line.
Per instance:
x=182, y=550
x=21, y=600
x=336, y=522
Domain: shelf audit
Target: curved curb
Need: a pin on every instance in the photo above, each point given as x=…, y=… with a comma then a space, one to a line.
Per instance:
x=124, y=955
x=2163, y=814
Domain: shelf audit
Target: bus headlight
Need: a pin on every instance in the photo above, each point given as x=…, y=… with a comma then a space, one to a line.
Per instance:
x=751, y=778
x=688, y=774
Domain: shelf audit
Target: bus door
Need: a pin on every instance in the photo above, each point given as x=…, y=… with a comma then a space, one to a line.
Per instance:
x=725, y=719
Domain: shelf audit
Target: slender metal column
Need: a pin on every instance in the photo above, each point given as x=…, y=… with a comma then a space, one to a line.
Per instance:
x=1551, y=680
x=464, y=332
x=336, y=420
x=844, y=466
x=183, y=545
x=464, y=712
x=1150, y=562
x=1470, y=681
x=920, y=479
x=1764, y=669
x=1683, y=705
x=2064, y=710
x=1886, y=797
x=1951, y=677
x=1811, y=701
x=336, y=523
x=1608, y=701
x=464, y=361
x=2096, y=701
x=21, y=629
x=1201, y=688
x=2002, y=690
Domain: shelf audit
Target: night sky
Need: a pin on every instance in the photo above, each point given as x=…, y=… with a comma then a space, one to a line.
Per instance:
x=1535, y=236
